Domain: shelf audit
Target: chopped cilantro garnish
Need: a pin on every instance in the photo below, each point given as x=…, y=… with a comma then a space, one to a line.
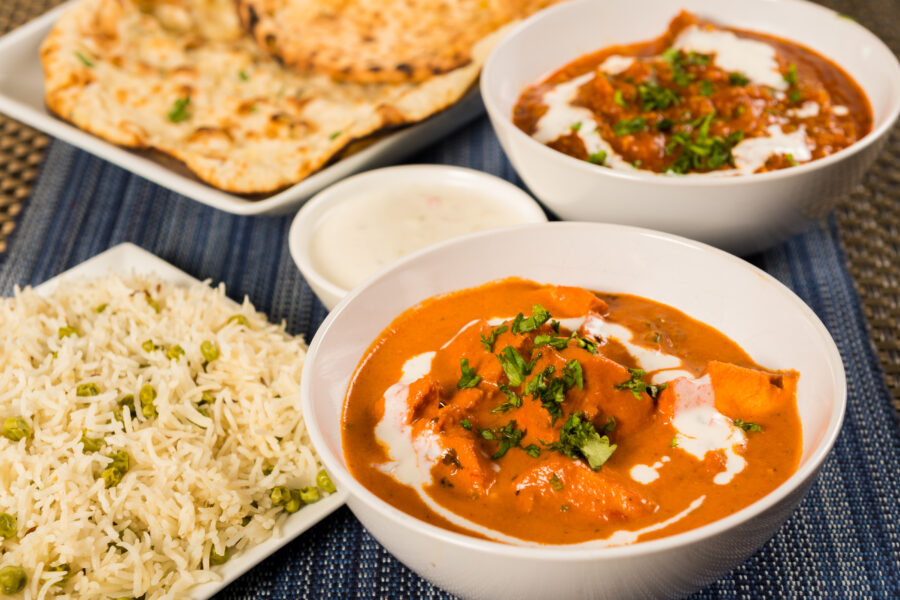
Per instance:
x=578, y=438
x=469, y=378
x=555, y=483
x=585, y=343
x=795, y=96
x=790, y=159
x=513, y=400
x=554, y=342
x=619, y=99
x=334, y=134
x=656, y=97
x=737, y=79
x=243, y=75
x=84, y=60
x=565, y=508
x=573, y=376
x=514, y=365
x=597, y=158
x=702, y=151
x=539, y=316
x=508, y=436
x=791, y=76
x=665, y=125
x=678, y=60
x=466, y=424
x=739, y=110
x=179, y=110
x=630, y=126
x=674, y=442
x=532, y=450
x=488, y=342
x=575, y=126
x=753, y=427
x=706, y=87
x=638, y=386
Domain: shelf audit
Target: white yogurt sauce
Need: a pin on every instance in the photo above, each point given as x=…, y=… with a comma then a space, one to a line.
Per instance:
x=840, y=110
x=807, y=110
x=701, y=428
x=561, y=116
x=616, y=64
x=362, y=235
x=752, y=153
x=754, y=59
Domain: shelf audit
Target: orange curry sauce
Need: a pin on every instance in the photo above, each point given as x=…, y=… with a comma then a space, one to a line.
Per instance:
x=536, y=491
x=678, y=112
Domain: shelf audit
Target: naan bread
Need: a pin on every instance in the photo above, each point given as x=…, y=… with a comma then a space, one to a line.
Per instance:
x=181, y=77
x=378, y=40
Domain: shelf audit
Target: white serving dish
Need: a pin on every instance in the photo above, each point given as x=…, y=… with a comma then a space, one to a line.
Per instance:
x=771, y=323
x=125, y=259
x=22, y=98
x=741, y=214
x=442, y=177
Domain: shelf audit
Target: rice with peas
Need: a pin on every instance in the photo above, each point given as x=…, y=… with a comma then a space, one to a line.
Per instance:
x=213, y=426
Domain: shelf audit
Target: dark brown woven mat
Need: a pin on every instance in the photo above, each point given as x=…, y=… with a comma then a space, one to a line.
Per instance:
x=869, y=218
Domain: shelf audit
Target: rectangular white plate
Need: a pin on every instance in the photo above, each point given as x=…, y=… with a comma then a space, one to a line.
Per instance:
x=22, y=97
x=126, y=259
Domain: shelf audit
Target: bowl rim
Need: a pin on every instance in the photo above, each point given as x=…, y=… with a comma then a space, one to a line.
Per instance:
x=306, y=220
x=490, y=73
x=579, y=553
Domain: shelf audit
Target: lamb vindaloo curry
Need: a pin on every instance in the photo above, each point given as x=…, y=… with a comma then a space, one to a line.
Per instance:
x=523, y=412
x=699, y=99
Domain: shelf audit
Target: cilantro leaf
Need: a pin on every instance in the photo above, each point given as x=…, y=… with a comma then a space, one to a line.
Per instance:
x=469, y=378
x=548, y=340
x=580, y=439
x=791, y=76
x=180, y=111
x=488, y=342
x=84, y=60
x=555, y=483
x=539, y=316
x=619, y=99
x=466, y=424
x=753, y=427
x=585, y=343
x=656, y=97
x=532, y=450
x=513, y=400
x=637, y=385
x=508, y=436
x=630, y=126
x=706, y=87
x=700, y=151
x=737, y=78
x=597, y=158
x=514, y=365
x=573, y=375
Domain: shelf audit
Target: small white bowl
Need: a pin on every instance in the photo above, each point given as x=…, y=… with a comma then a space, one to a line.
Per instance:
x=741, y=214
x=510, y=199
x=772, y=324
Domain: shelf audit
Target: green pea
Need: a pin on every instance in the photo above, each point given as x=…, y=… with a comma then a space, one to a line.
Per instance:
x=146, y=396
x=127, y=401
x=111, y=477
x=209, y=351
x=219, y=559
x=16, y=428
x=267, y=470
x=149, y=346
x=87, y=389
x=239, y=319
x=175, y=352
x=309, y=495
x=295, y=503
x=12, y=579
x=153, y=304
x=9, y=526
x=63, y=568
x=279, y=495
x=91, y=444
x=99, y=309
x=66, y=331
x=120, y=460
x=324, y=482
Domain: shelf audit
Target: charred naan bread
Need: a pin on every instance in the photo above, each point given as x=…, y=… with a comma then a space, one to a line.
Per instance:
x=181, y=77
x=378, y=40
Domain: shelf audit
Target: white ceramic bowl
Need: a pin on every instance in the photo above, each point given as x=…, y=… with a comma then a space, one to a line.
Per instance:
x=765, y=318
x=741, y=214
x=511, y=199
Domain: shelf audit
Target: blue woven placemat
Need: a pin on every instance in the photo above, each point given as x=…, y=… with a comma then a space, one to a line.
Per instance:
x=842, y=541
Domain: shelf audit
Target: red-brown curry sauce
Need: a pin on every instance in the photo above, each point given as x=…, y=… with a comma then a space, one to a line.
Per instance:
x=740, y=110
x=566, y=501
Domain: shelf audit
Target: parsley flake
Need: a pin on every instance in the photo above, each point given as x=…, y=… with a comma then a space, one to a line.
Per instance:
x=737, y=79
x=619, y=99
x=488, y=342
x=791, y=76
x=508, y=436
x=539, y=316
x=597, y=158
x=513, y=400
x=706, y=87
x=575, y=126
x=466, y=424
x=630, y=126
x=514, y=365
x=752, y=427
x=555, y=483
x=656, y=97
x=243, y=75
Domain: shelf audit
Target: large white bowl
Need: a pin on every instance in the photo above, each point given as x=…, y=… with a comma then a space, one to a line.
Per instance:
x=765, y=318
x=741, y=214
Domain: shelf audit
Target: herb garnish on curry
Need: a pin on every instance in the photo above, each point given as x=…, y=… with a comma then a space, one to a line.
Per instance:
x=699, y=99
x=529, y=413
